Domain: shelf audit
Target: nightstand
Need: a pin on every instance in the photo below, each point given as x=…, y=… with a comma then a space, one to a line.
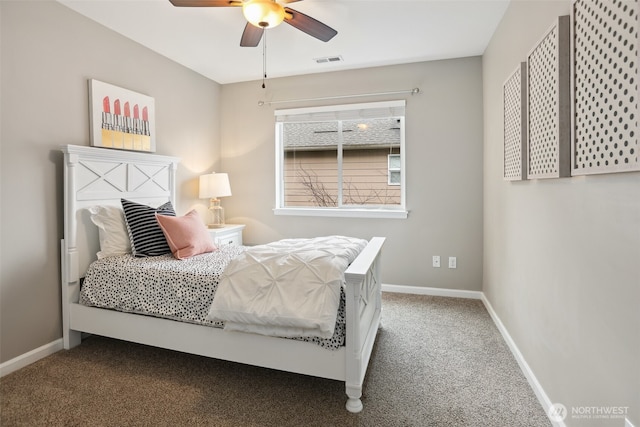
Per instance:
x=230, y=234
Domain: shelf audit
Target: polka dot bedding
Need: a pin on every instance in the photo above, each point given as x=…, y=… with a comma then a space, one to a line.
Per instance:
x=163, y=286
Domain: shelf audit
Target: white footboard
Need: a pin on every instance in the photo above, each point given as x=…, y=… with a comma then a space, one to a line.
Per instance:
x=364, y=305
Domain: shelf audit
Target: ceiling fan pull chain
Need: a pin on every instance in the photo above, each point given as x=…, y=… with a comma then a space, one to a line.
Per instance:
x=264, y=58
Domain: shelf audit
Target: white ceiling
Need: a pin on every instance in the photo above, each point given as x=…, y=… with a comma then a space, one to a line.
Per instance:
x=370, y=33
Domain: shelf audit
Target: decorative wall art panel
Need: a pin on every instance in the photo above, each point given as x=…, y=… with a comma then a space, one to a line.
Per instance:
x=515, y=124
x=549, y=104
x=605, y=34
x=121, y=118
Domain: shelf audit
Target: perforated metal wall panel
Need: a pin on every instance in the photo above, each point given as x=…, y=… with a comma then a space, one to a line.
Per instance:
x=605, y=36
x=549, y=104
x=515, y=124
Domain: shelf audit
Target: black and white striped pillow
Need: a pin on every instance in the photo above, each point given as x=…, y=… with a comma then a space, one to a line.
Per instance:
x=147, y=238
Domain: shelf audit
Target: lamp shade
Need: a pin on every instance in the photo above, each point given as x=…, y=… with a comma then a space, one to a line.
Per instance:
x=214, y=185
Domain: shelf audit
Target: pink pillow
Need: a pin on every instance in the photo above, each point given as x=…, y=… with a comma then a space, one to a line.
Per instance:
x=187, y=235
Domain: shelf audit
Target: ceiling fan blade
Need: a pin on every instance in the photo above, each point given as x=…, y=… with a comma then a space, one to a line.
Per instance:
x=205, y=3
x=289, y=1
x=311, y=26
x=251, y=35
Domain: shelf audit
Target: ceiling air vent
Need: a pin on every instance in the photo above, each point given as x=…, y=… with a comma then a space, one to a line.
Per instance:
x=328, y=59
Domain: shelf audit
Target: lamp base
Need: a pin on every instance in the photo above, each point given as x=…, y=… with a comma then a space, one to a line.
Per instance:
x=217, y=214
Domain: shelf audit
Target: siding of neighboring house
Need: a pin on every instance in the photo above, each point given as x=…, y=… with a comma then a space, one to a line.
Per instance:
x=311, y=177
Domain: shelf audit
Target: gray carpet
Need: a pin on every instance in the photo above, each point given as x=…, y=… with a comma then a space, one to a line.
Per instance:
x=437, y=362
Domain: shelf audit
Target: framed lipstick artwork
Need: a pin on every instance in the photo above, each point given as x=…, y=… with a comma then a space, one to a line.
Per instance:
x=121, y=118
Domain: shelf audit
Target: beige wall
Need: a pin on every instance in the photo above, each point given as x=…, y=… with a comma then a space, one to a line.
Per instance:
x=443, y=167
x=561, y=256
x=47, y=54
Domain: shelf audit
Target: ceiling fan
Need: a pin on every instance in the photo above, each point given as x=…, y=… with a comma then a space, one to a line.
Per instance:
x=262, y=14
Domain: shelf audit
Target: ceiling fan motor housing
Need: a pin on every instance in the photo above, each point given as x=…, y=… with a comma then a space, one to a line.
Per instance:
x=263, y=13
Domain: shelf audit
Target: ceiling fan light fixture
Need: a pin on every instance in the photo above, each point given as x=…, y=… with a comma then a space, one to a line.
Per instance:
x=263, y=13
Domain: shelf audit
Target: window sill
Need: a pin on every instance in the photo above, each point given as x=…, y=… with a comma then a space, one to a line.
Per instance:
x=344, y=212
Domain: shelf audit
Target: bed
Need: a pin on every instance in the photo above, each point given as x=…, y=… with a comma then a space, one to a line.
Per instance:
x=102, y=177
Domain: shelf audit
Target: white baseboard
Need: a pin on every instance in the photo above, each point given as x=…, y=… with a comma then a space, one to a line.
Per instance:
x=30, y=357
x=524, y=366
x=438, y=292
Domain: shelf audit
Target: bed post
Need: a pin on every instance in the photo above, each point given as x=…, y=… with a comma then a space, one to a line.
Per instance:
x=353, y=384
x=69, y=258
x=364, y=300
x=173, y=170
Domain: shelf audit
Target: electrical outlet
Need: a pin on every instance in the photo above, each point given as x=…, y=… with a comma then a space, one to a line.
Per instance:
x=452, y=262
x=436, y=260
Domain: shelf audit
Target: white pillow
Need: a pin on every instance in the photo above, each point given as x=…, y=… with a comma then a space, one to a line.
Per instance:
x=114, y=238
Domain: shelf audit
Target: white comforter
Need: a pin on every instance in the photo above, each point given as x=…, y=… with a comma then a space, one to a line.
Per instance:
x=289, y=288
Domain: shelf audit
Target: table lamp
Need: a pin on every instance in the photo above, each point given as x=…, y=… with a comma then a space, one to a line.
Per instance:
x=213, y=186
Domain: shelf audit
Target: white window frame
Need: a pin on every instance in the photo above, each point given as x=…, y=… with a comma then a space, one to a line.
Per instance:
x=385, y=211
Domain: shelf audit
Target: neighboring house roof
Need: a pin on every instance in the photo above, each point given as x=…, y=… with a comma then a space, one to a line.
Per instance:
x=370, y=133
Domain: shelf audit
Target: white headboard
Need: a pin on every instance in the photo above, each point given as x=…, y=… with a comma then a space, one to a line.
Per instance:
x=102, y=176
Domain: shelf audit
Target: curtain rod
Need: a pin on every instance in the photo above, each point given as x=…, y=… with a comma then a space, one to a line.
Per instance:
x=413, y=91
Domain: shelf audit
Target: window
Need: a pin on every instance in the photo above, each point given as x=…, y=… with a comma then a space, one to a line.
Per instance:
x=344, y=160
x=394, y=169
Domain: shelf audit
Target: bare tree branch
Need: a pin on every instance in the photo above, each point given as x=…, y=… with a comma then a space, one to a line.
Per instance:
x=316, y=189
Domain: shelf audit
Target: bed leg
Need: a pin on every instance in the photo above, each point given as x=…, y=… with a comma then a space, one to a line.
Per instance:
x=354, y=404
x=72, y=339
